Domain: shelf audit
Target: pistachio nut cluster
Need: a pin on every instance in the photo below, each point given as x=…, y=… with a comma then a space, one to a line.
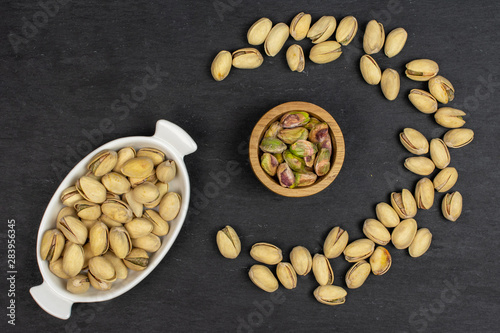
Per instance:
x=113, y=219
x=296, y=150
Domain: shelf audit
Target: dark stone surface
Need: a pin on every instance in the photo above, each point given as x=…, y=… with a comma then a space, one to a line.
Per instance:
x=70, y=76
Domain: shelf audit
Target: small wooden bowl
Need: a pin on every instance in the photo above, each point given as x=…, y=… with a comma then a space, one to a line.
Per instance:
x=275, y=114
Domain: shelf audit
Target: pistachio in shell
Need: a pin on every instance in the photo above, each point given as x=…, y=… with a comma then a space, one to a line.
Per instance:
x=359, y=249
x=301, y=259
x=221, y=65
x=347, y=29
x=389, y=83
x=424, y=193
x=322, y=29
x=370, y=70
x=149, y=243
x=459, y=137
x=139, y=227
x=73, y=259
x=421, y=69
x=423, y=101
x=99, y=284
x=87, y=210
x=166, y=171
x=452, y=206
x=449, y=117
x=136, y=207
x=376, y=231
x=247, y=58
x=258, y=31
x=286, y=275
x=91, y=189
x=330, y=295
x=442, y=89
x=421, y=243
x=440, y=154
x=102, y=269
x=56, y=267
x=420, y=165
x=300, y=26
x=170, y=206
x=387, y=215
x=120, y=242
x=78, y=284
x=395, y=41
x=117, y=210
x=124, y=155
x=380, y=261
x=103, y=162
x=228, y=242
x=137, y=260
x=414, y=141
x=402, y=236
x=404, y=204
x=160, y=226
x=52, y=245
x=374, y=37
x=325, y=52
x=357, y=274
x=322, y=270
x=99, y=238
x=70, y=196
x=276, y=39
x=73, y=229
x=138, y=167
x=445, y=179
x=335, y=242
x=116, y=183
x=118, y=264
x=146, y=193
x=266, y=253
x=156, y=155
x=295, y=58
x=263, y=278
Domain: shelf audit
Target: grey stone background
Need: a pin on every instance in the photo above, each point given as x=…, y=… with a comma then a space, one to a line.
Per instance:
x=65, y=89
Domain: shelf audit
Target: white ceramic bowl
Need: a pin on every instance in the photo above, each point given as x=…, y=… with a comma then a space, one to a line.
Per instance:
x=52, y=295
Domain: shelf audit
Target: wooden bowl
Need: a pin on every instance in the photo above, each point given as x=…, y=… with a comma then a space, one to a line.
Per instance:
x=275, y=114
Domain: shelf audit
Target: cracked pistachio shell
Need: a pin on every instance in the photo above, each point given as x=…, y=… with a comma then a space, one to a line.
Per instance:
x=370, y=70
x=117, y=210
x=380, y=261
x=452, y=206
x=269, y=164
x=146, y=193
x=302, y=148
x=73, y=229
x=423, y=101
x=286, y=275
x=124, y=155
x=136, y=207
x=273, y=130
x=166, y=171
x=228, y=242
x=139, y=227
x=295, y=163
x=414, y=141
x=445, y=179
x=404, y=204
x=389, y=84
x=91, y=189
x=330, y=295
x=119, y=241
x=137, y=260
x=301, y=260
x=291, y=135
x=322, y=270
x=294, y=119
x=115, y=183
x=266, y=253
x=134, y=182
x=322, y=162
x=102, y=269
x=276, y=39
x=440, y=154
x=56, y=268
x=395, y=41
x=78, y=284
x=99, y=284
x=347, y=29
x=156, y=155
x=322, y=29
x=457, y=138
x=304, y=178
x=357, y=274
x=70, y=196
x=247, y=58
x=300, y=26
x=335, y=242
x=420, y=165
x=449, y=117
x=109, y=221
x=359, y=249
x=295, y=58
x=258, y=32
x=403, y=234
x=162, y=188
x=52, y=245
x=263, y=278
x=376, y=231
x=442, y=89
x=286, y=177
x=87, y=255
x=138, y=167
x=374, y=37
x=87, y=210
x=150, y=243
x=221, y=65
x=99, y=239
x=272, y=146
x=73, y=259
x=421, y=69
x=424, y=193
x=387, y=215
x=325, y=52
x=160, y=226
x=103, y=162
x=170, y=206
x=421, y=243
x=119, y=266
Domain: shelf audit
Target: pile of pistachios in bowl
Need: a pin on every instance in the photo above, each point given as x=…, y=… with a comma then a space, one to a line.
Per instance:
x=113, y=218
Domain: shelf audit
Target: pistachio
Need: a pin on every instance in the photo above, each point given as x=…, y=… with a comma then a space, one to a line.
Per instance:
x=347, y=29
x=396, y=40
x=330, y=295
x=414, y=141
x=286, y=274
x=424, y=193
x=272, y=146
x=322, y=29
x=137, y=260
x=442, y=89
x=119, y=241
x=421, y=243
x=457, y=138
x=452, y=206
x=149, y=243
x=91, y=189
x=322, y=162
x=52, y=245
x=404, y=204
x=285, y=175
x=269, y=164
x=376, y=231
x=228, y=242
x=291, y=135
x=380, y=261
x=87, y=210
x=156, y=155
x=102, y=269
x=423, y=101
x=325, y=52
x=370, y=70
x=117, y=210
x=78, y=284
x=166, y=171
x=421, y=69
x=374, y=37
x=309, y=161
x=170, y=206
x=70, y=196
x=135, y=206
x=319, y=133
x=73, y=229
x=300, y=26
x=276, y=39
x=99, y=284
x=295, y=58
x=449, y=117
x=312, y=122
x=146, y=193
x=118, y=265
x=87, y=255
x=304, y=178
x=295, y=163
x=124, y=155
x=294, y=119
x=56, y=267
x=162, y=188
x=138, y=167
x=445, y=179
x=302, y=148
x=139, y=227
x=440, y=154
x=279, y=158
x=359, y=249
x=258, y=31
x=99, y=239
x=357, y=274
x=390, y=84
x=322, y=270
x=91, y=175
x=273, y=130
x=73, y=259
x=420, y=165
x=266, y=253
x=115, y=183
x=335, y=242
x=247, y=58
x=301, y=259
x=110, y=195
x=263, y=278
x=109, y=221
x=103, y=162
x=403, y=234
x=160, y=226
x=387, y=215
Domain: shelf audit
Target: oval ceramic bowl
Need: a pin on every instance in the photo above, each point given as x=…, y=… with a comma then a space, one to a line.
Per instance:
x=52, y=295
x=275, y=114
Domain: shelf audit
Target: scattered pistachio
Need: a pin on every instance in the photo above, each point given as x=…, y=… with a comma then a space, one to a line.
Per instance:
x=395, y=41
x=258, y=31
x=452, y=206
x=347, y=29
x=374, y=37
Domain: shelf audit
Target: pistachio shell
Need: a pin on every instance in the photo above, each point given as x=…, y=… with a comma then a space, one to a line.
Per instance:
x=330, y=295
x=325, y=52
x=221, y=65
x=395, y=42
x=301, y=259
x=119, y=242
x=98, y=284
x=138, y=167
x=322, y=270
x=87, y=255
x=70, y=196
x=166, y=171
x=276, y=39
x=78, y=284
x=295, y=58
x=421, y=243
x=322, y=29
x=73, y=259
x=52, y=245
x=266, y=253
x=247, y=58
x=156, y=155
x=150, y=243
x=117, y=210
x=103, y=162
x=139, y=227
x=449, y=117
x=347, y=29
x=424, y=193
x=452, y=206
x=124, y=155
x=286, y=274
x=87, y=210
x=359, y=249
x=99, y=239
x=440, y=154
x=91, y=189
x=403, y=234
x=102, y=269
x=146, y=193
x=445, y=179
x=160, y=226
x=457, y=138
x=376, y=231
x=66, y=211
x=357, y=274
x=370, y=70
x=442, y=89
x=263, y=278
x=136, y=207
x=389, y=84
x=119, y=266
x=228, y=242
x=115, y=183
x=387, y=215
x=300, y=26
x=73, y=229
x=423, y=101
x=137, y=260
x=56, y=267
x=170, y=206
x=414, y=141
x=420, y=165
x=380, y=261
x=421, y=69
x=404, y=204
x=374, y=37
x=109, y=221
x=258, y=31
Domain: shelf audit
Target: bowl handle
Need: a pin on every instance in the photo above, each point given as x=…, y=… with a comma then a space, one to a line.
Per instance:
x=51, y=302
x=175, y=136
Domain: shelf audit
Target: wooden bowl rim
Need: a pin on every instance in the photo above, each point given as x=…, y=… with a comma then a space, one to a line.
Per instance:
x=337, y=143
